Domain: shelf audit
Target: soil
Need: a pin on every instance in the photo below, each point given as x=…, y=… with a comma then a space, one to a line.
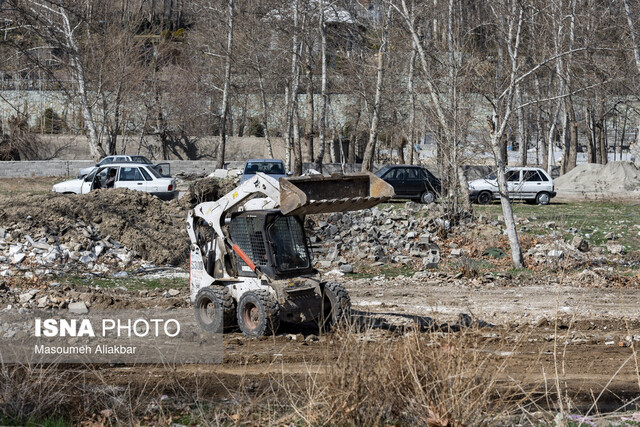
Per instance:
x=616, y=179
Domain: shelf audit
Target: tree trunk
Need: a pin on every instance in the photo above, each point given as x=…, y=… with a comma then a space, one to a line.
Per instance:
x=604, y=158
x=520, y=136
x=265, y=111
x=77, y=70
x=225, y=90
x=367, y=161
x=591, y=137
x=510, y=226
x=323, y=90
x=308, y=125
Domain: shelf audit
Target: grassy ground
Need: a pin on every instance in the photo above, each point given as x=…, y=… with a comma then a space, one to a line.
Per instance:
x=593, y=220
x=20, y=186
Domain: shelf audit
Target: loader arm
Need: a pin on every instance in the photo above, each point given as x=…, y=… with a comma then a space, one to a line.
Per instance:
x=213, y=212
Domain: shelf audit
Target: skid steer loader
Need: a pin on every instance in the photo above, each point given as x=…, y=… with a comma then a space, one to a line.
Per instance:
x=250, y=263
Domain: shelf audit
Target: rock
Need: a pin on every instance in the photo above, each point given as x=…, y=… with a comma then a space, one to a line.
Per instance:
x=555, y=253
x=121, y=274
x=25, y=298
x=346, y=268
x=332, y=254
x=580, y=244
x=42, y=302
x=456, y=252
x=174, y=292
x=432, y=258
x=610, y=236
x=42, y=245
x=18, y=258
x=219, y=173
x=615, y=249
x=311, y=338
x=334, y=272
x=411, y=235
x=324, y=264
x=78, y=308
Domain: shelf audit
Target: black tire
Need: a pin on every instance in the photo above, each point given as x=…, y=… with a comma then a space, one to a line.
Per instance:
x=214, y=309
x=258, y=313
x=336, y=306
x=543, y=198
x=427, y=197
x=484, y=198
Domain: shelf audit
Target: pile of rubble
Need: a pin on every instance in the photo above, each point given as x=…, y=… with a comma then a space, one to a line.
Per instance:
x=103, y=231
x=408, y=235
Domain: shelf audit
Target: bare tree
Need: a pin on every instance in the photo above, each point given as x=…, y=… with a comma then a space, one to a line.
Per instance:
x=225, y=90
x=367, y=160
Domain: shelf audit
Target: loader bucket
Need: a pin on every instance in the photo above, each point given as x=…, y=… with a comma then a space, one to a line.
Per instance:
x=336, y=193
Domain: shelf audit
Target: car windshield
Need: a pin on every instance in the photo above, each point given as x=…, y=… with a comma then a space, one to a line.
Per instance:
x=140, y=159
x=272, y=168
x=290, y=249
x=381, y=172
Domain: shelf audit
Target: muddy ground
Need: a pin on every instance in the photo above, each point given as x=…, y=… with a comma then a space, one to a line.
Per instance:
x=559, y=328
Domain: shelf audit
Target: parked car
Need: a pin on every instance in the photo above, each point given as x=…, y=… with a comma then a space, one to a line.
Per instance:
x=533, y=185
x=411, y=182
x=272, y=167
x=135, y=176
x=162, y=168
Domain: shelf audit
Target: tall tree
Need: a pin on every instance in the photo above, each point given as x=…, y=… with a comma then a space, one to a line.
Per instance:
x=226, y=88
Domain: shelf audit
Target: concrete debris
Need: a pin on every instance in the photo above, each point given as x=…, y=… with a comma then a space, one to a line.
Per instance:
x=407, y=236
x=615, y=249
x=78, y=308
x=346, y=268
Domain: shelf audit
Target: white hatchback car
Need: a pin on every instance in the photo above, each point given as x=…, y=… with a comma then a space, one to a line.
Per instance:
x=533, y=185
x=134, y=176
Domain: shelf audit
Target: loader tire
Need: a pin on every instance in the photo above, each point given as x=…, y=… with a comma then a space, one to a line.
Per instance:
x=214, y=309
x=258, y=313
x=336, y=306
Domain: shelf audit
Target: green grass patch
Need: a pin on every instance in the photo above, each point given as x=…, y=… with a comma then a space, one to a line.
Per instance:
x=593, y=220
x=131, y=283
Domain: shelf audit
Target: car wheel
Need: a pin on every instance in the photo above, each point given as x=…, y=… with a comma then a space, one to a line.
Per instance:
x=427, y=197
x=484, y=198
x=543, y=198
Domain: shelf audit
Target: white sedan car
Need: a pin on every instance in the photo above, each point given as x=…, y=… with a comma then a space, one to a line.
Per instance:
x=533, y=185
x=134, y=176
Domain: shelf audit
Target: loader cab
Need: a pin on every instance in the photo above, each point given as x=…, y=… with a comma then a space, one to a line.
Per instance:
x=275, y=243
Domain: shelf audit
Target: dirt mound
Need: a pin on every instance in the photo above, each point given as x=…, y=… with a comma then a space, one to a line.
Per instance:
x=590, y=178
x=154, y=229
x=206, y=190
